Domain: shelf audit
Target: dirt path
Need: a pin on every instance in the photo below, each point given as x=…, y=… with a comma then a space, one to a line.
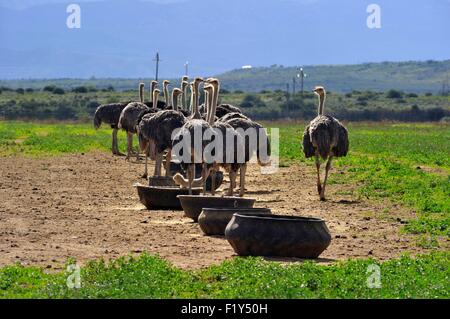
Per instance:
x=84, y=206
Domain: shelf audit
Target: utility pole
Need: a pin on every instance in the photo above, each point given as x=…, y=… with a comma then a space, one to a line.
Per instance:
x=157, y=60
x=302, y=76
x=186, y=68
x=287, y=91
x=293, y=86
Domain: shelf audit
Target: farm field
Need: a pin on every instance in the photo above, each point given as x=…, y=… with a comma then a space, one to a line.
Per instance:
x=63, y=195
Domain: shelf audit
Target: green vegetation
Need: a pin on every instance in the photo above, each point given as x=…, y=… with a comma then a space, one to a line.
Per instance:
x=151, y=277
x=54, y=102
x=408, y=164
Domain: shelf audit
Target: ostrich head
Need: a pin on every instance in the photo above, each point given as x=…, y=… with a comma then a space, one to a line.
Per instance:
x=176, y=92
x=185, y=78
x=319, y=90
x=141, y=92
x=215, y=83
x=209, y=98
x=155, y=96
x=153, y=86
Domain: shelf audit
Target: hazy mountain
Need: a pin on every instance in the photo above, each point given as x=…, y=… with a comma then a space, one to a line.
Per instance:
x=119, y=38
x=419, y=77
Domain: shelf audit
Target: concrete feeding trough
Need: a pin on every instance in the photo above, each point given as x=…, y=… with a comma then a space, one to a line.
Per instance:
x=213, y=221
x=194, y=204
x=162, y=197
x=276, y=235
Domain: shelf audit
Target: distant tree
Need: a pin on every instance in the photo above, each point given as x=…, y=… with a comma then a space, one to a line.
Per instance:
x=252, y=100
x=224, y=91
x=238, y=91
x=428, y=94
x=265, y=91
x=411, y=95
x=59, y=91
x=29, y=90
x=49, y=88
x=348, y=95
x=20, y=91
x=394, y=94
x=80, y=89
x=92, y=105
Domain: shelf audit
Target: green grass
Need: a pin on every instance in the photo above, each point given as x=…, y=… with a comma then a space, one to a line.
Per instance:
x=147, y=276
x=52, y=139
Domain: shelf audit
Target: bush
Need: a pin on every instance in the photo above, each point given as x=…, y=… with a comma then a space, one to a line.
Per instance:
x=59, y=91
x=394, y=94
x=20, y=91
x=29, y=90
x=412, y=95
x=428, y=94
x=80, y=89
x=252, y=100
x=49, y=88
x=238, y=92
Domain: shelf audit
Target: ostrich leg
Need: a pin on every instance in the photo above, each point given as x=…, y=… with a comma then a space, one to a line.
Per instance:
x=114, y=142
x=319, y=184
x=213, y=182
x=146, y=163
x=232, y=174
x=167, y=167
x=242, y=179
x=190, y=176
x=158, y=162
x=204, y=177
x=129, y=144
x=327, y=168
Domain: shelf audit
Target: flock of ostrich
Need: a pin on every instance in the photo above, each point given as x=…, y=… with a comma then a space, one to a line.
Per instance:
x=160, y=125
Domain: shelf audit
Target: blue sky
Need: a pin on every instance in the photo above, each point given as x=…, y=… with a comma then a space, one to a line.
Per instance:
x=120, y=37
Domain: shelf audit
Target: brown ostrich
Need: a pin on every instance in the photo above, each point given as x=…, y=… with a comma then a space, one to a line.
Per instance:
x=325, y=137
x=129, y=119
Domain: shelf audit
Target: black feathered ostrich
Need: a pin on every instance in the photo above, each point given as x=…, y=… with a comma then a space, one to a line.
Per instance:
x=155, y=132
x=129, y=119
x=110, y=114
x=325, y=137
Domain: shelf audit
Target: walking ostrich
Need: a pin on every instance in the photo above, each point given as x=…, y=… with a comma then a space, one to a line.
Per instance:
x=110, y=114
x=324, y=137
x=157, y=130
x=194, y=124
x=129, y=118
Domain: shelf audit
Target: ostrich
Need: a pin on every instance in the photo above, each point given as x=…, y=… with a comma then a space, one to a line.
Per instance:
x=233, y=115
x=129, y=117
x=166, y=93
x=157, y=130
x=324, y=137
x=110, y=114
x=224, y=130
x=194, y=123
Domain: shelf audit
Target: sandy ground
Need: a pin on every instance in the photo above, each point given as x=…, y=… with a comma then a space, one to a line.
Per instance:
x=84, y=206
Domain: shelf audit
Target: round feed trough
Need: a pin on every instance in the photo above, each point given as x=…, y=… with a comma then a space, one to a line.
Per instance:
x=276, y=235
x=213, y=221
x=193, y=205
x=162, y=197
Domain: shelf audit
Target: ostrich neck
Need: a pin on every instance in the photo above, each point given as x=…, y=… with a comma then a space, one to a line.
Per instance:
x=183, y=98
x=321, y=104
x=174, y=101
x=141, y=94
x=215, y=100
x=191, y=105
x=155, y=99
x=166, y=95
x=152, y=89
